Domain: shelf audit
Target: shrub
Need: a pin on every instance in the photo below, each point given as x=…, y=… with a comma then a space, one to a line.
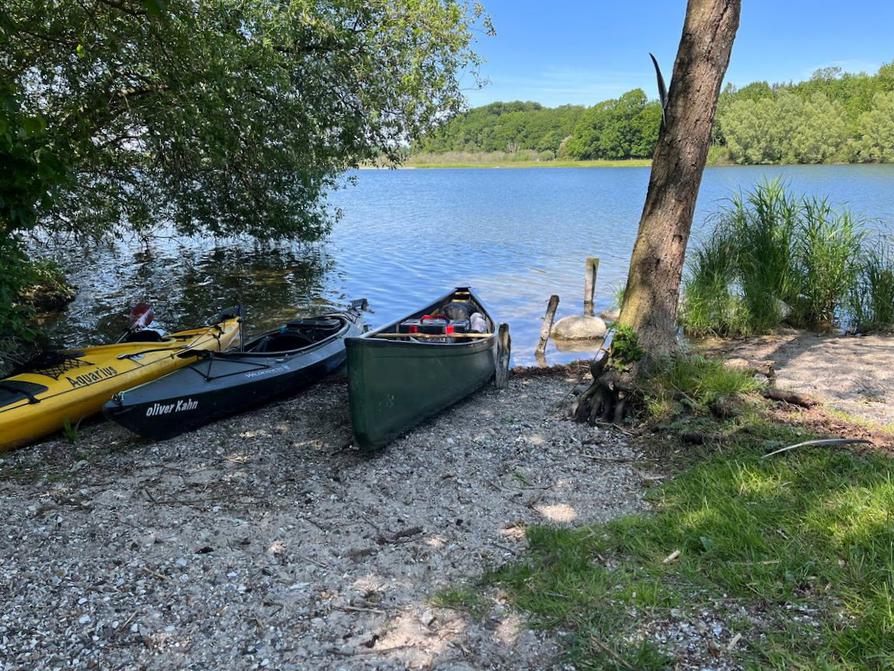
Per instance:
x=19, y=276
x=15, y=275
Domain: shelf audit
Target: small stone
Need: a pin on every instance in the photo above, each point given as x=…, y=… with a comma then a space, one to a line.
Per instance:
x=84, y=619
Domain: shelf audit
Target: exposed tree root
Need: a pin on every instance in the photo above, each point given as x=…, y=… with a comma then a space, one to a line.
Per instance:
x=787, y=396
x=608, y=397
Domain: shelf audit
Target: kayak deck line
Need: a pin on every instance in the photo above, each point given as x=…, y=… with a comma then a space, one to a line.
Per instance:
x=189, y=350
x=250, y=366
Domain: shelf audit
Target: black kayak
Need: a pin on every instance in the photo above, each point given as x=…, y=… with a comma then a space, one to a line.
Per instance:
x=272, y=365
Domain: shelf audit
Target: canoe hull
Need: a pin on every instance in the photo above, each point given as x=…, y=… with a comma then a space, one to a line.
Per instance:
x=224, y=385
x=79, y=386
x=393, y=385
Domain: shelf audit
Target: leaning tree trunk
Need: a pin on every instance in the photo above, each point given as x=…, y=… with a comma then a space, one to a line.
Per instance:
x=649, y=308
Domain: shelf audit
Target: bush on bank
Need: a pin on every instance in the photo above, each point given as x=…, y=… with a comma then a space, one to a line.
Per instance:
x=27, y=288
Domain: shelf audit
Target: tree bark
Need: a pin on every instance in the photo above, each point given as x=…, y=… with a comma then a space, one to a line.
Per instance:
x=656, y=266
x=649, y=308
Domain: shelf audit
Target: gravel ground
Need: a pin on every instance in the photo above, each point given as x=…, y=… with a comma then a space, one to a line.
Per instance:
x=265, y=541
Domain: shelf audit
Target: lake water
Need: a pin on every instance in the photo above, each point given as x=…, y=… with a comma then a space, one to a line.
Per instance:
x=407, y=236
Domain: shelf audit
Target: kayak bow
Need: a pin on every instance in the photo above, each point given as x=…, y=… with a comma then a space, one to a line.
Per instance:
x=70, y=385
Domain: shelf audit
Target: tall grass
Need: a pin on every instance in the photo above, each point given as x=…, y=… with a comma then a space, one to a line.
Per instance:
x=774, y=257
x=872, y=300
x=711, y=306
x=761, y=228
x=828, y=248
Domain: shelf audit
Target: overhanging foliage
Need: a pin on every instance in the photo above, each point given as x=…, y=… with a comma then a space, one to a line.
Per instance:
x=224, y=116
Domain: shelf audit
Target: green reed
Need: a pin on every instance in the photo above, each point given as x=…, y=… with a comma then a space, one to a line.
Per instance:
x=871, y=302
x=828, y=249
x=775, y=257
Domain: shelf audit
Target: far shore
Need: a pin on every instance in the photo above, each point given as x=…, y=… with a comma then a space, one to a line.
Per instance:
x=433, y=162
x=429, y=164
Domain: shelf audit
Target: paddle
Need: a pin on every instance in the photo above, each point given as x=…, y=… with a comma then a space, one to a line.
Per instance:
x=141, y=315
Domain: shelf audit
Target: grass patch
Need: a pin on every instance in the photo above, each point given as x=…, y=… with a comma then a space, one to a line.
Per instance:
x=696, y=383
x=795, y=553
x=805, y=544
x=856, y=420
x=466, y=598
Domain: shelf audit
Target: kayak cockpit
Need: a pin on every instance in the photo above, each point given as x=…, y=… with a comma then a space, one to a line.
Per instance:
x=296, y=335
x=143, y=335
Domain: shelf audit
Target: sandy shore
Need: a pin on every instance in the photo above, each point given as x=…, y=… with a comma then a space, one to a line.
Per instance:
x=852, y=374
x=265, y=542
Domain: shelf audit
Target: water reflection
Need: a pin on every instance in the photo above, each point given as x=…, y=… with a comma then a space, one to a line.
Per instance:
x=188, y=284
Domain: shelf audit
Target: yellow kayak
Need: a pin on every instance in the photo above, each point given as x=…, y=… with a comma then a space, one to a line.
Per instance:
x=71, y=385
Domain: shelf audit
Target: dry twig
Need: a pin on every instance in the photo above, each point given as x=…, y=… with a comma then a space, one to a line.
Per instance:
x=825, y=441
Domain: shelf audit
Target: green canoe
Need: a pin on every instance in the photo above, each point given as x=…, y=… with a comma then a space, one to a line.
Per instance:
x=398, y=379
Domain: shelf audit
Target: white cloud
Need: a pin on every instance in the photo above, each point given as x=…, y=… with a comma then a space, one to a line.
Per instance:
x=561, y=86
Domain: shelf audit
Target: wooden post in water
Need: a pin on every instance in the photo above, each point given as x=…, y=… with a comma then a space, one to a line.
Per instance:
x=591, y=267
x=504, y=348
x=547, y=326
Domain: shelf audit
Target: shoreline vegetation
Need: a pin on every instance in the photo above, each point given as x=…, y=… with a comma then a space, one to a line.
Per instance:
x=505, y=160
x=833, y=117
x=513, y=160
x=776, y=257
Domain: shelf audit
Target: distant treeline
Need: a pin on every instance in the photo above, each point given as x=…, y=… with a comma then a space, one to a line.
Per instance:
x=506, y=127
x=834, y=116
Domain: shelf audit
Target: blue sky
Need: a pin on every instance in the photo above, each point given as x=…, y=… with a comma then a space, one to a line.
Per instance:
x=582, y=52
